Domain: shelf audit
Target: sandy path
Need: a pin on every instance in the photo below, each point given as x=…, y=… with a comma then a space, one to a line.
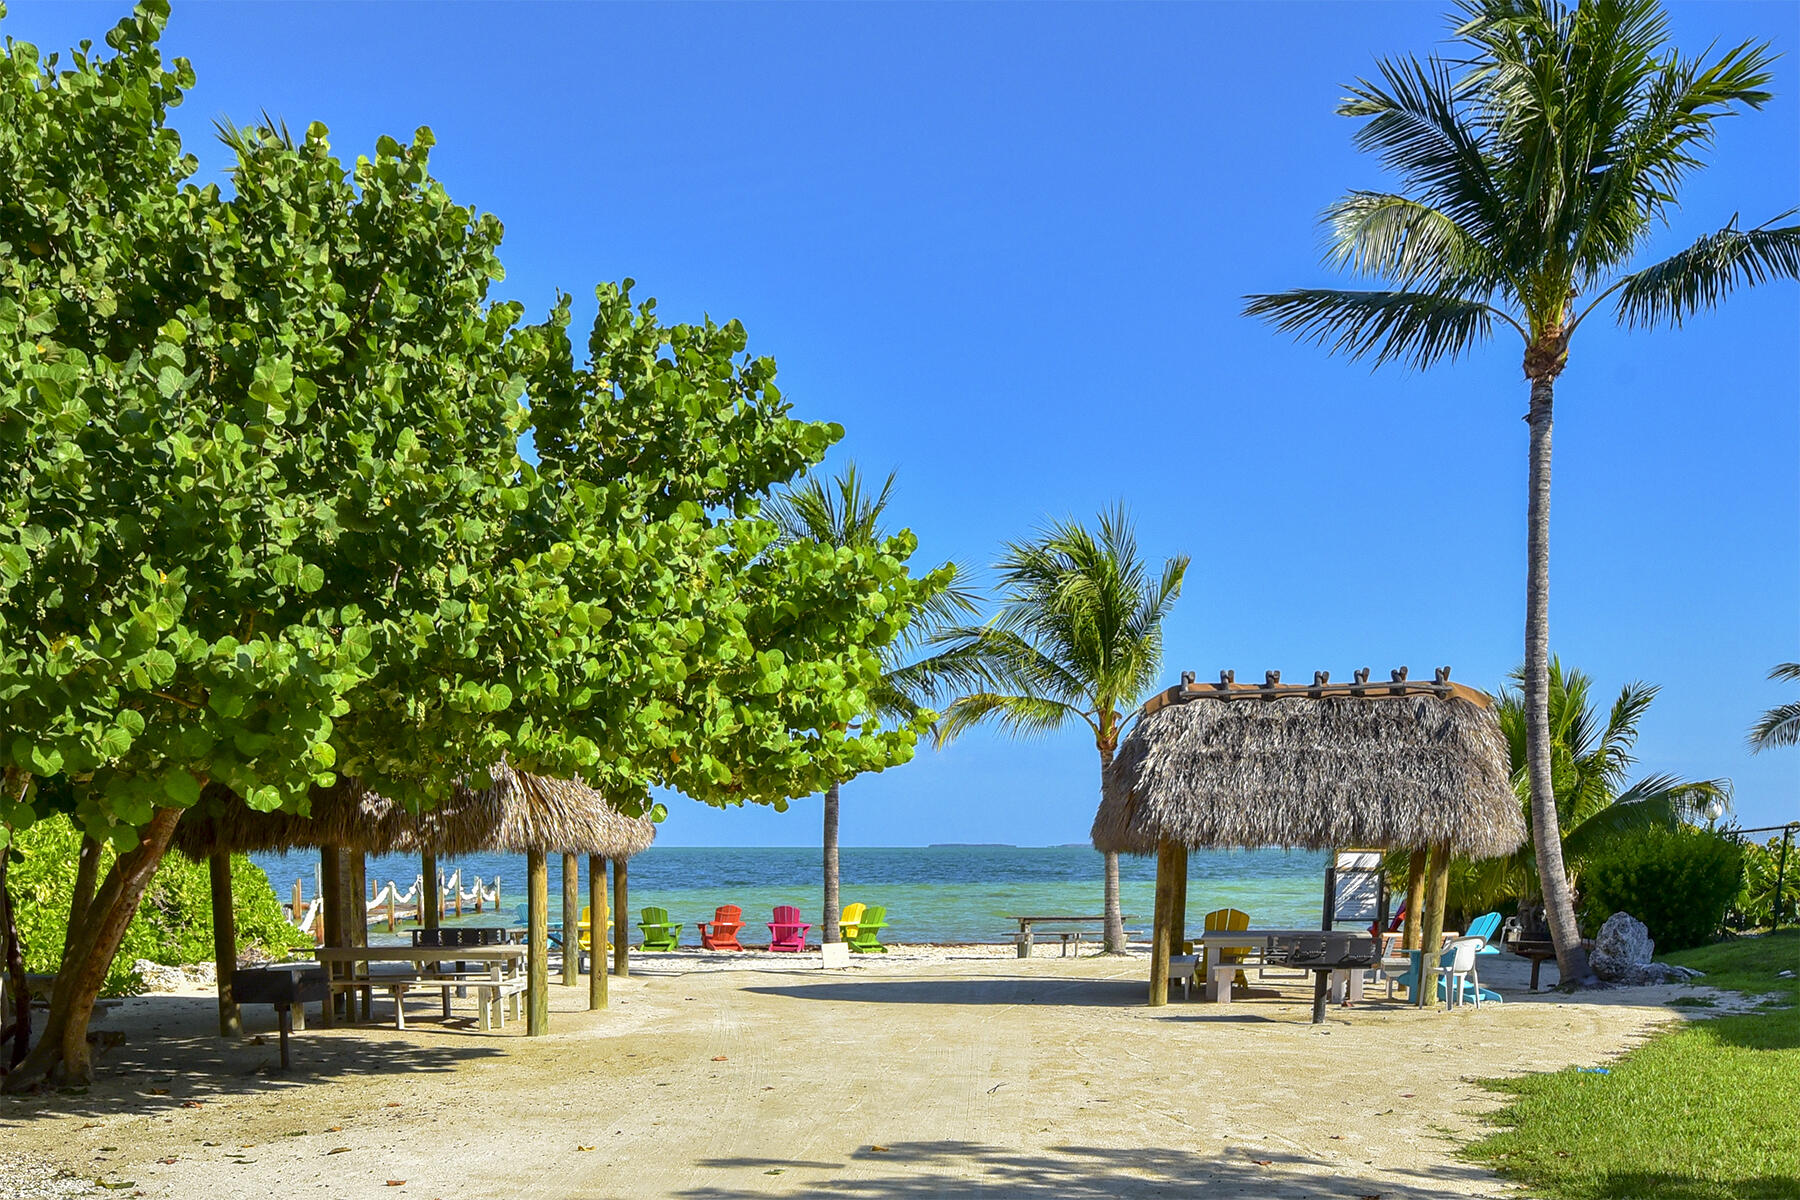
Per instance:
x=907, y=1078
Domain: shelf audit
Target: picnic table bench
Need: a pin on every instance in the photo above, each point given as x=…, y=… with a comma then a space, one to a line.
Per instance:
x=1024, y=939
x=496, y=972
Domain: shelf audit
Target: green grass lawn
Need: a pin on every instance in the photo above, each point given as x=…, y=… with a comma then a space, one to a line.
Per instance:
x=1707, y=1112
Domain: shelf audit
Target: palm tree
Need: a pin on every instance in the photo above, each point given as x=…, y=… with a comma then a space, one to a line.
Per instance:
x=1590, y=758
x=1780, y=726
x=1534, y=166
x=1077, y=638
x=844, y=513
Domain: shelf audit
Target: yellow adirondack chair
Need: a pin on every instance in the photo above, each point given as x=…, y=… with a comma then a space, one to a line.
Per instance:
x=847, y=923
x=585, y=942
x=1230, y=920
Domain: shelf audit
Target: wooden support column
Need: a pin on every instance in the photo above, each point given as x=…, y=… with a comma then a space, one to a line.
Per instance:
x=1178, y=904
x=224, y=923
x=571, y=918
x=1437, y=887
x=597, y=927
x=431, y=896
x=537, y=938
x=621, y=922
x=331, y=918
x=359, y=918
x=1160, y=924
x=1415, y=899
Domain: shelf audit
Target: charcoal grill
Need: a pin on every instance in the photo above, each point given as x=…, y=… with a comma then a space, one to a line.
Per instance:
x=1322, y=953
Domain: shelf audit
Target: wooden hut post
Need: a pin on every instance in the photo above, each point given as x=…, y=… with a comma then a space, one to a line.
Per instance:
x=1415, y=898
x=1437, y=886
x=1178, y=904
x=537, y=983
x=331, y=916
x=359, y=919
x=597, y=926
x=431, y=892
x=299, y=902
x=224, y=923
x=1159, y=945
x=571, y=918
x=621, y=922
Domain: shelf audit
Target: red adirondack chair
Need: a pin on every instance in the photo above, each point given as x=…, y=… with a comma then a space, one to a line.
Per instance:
x=721, y=932
x=787, y=931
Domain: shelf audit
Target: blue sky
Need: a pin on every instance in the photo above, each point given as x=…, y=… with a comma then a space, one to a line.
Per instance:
x=1005, y=247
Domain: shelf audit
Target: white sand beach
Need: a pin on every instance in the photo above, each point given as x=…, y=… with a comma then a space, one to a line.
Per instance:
x=935, y=1071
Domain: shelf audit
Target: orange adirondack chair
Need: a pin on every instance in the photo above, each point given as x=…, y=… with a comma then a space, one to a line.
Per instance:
x=721, y=932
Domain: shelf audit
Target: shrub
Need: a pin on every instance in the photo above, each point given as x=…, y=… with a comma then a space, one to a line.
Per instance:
x=1677, y=882
x=1755, y=904
x=172, y=926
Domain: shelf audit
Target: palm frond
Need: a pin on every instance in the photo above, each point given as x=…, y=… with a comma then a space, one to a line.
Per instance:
x=1701, y=276
x=1780, y=726
x=1383, y=235
x=1019, y=716
x=1420, y=328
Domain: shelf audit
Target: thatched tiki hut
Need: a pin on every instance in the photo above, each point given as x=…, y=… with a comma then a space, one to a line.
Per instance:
x=1400, y=764
x=517, y=813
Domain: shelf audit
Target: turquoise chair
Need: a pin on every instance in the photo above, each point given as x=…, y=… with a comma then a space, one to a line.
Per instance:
x=1484, y=927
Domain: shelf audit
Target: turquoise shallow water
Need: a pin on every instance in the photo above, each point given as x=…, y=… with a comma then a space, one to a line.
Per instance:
x=932, y=894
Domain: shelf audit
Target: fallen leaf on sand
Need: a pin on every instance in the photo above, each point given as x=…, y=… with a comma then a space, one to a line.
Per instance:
x=159, y=1091
x=775, y=1171
x=584, y=1147
x=720, y=1058
x=396, y=1183
x=168, y=1162
x=339, y=1150
x=879, y=1149
x=1263, y=1162
x=392, y=1104
x=192, y=1103
x=115, y=1187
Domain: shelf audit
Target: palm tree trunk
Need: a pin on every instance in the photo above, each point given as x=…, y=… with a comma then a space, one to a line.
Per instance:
x=828, y=920
x=1112, y=940
x=1546, y=833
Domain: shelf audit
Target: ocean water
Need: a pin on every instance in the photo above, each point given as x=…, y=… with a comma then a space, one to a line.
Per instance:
x=944, y=894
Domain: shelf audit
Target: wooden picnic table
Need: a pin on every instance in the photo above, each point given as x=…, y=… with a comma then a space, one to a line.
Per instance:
x=1025, y=935
x=497, y=978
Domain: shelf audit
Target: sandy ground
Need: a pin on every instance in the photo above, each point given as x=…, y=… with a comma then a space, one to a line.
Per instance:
x=931, y=1073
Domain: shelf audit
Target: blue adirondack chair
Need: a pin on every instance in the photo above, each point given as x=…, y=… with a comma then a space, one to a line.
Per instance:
x=1483, y=927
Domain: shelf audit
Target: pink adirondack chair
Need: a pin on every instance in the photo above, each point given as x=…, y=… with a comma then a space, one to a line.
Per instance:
x=787, y=931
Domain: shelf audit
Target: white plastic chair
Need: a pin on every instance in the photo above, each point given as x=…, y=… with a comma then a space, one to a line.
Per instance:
x=1457, y=968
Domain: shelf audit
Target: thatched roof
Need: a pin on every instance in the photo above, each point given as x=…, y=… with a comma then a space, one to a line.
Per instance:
x=518, y=812
x=1313, y=773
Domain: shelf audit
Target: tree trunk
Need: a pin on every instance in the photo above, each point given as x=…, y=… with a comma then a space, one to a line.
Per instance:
x=224, y=922
x=87, y=873
x=15, y=1026
x=1160, y=930
x=1546, y=832
x=1112, y=940
x=828, y=927
x=63, y=1049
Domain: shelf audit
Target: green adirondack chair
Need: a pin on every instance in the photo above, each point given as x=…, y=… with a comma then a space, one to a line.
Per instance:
x=868, y=931
x=659, y=932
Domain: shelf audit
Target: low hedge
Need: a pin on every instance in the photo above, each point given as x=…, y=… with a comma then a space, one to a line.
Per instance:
x=1677, y=882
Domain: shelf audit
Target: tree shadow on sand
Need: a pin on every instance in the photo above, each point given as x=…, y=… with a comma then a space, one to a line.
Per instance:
x=173, y=1058
x=942, y=1169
